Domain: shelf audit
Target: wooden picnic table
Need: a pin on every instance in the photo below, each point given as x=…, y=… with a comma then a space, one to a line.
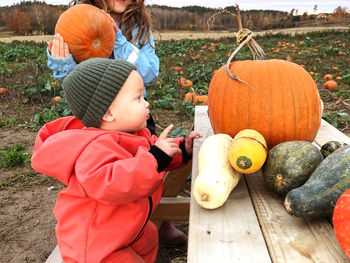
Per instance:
x=253, y=225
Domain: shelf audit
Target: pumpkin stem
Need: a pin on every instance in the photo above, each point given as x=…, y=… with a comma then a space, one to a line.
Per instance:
x=244, y=36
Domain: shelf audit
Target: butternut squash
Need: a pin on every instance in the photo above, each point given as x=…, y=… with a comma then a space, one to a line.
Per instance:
x=216, y=177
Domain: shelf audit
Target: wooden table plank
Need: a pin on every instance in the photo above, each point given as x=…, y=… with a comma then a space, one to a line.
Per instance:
x=292, y=239
x=327, y=133
x=230, y=233
x=55, y=256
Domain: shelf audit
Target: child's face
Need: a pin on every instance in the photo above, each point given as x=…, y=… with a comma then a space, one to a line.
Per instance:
x=129, y=108
x=118, y=6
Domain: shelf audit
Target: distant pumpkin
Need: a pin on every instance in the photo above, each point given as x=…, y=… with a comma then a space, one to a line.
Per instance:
x=4, y=91
x=185, y=83
x=327, y=77
x=57, y=98
x=200, y=100
x=331, y=85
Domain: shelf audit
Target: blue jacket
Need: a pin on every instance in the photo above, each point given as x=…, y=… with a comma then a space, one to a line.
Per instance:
x=145, y=58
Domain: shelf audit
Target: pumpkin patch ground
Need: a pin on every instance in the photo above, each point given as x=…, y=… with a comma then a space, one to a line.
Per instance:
x=27, y=198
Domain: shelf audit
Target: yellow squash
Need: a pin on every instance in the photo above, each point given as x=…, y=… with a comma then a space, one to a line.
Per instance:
x=216, y=177
x=248, y=151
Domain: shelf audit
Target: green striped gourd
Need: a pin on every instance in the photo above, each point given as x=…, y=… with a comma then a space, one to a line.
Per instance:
x=318, y=196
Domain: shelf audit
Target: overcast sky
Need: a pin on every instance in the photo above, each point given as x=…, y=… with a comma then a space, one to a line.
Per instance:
x=302, y=5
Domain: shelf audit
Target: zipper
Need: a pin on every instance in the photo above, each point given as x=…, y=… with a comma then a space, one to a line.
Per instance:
x=148, y=217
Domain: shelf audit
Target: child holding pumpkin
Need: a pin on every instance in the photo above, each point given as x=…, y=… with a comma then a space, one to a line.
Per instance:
x=113, y=167
x=133, y=42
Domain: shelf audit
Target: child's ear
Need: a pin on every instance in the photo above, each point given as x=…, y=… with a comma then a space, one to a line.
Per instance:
x=108, y=116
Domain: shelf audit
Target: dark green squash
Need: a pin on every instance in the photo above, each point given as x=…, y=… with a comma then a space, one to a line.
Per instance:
x=318, y=196
x=289, y=165
x=330, y=147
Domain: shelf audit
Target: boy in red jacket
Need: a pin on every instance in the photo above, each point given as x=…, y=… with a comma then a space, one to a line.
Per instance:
x=112, y=166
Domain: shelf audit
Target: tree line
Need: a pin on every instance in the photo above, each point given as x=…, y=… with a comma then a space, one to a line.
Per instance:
x=37, y=17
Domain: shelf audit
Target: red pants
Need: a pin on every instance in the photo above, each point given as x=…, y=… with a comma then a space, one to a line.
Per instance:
x=144, y=250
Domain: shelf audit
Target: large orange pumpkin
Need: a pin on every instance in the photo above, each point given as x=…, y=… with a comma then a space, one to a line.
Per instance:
x=277, y=98
x=87, y=30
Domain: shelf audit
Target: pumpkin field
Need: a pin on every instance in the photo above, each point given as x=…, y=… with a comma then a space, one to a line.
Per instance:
x=30, y=97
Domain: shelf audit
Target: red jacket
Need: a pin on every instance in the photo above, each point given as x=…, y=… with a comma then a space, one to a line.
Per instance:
x=112, y=185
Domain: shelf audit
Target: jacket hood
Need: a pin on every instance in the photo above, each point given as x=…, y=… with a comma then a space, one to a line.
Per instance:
x=52, y=144
x=59, y=143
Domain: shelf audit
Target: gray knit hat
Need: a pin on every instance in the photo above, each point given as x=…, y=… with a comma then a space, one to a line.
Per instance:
x=92, y=86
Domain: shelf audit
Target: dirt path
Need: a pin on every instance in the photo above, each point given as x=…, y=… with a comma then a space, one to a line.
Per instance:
x=176, y=35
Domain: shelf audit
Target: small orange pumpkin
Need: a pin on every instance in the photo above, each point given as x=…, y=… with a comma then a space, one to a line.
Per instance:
x=57, y=98
x=327, y=77
x=87, y=30
x=331, y=85
x=190, y=96
x=185, y=83
x=178, y=69
x=200, y=100
x=3, y=91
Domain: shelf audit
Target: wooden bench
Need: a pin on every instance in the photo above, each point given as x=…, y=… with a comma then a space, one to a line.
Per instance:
x=253, y=225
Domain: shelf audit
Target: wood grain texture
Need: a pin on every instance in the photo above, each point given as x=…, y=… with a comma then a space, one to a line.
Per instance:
x=327, y=133
x=292, y=239
x=55, y=256
x=172, y=208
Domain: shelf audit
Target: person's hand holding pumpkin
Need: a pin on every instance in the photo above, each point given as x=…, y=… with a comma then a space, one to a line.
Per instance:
x=58, y=48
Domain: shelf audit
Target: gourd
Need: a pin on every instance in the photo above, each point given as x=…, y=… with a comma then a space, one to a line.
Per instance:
x=216, y=177
x=318, y=196
x=248, y=151
x=330, y=147
x=87, y=30
x=276, y=97
x=289, y=165
x=341, y=221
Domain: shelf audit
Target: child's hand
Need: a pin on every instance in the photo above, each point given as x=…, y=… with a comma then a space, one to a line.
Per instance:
x=189, y=141
x=168, y=145
x=58, y=48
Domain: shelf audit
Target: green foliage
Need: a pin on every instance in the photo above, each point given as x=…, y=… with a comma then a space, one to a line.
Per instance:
x=8, y=122
x=24, y=72
x=335, y=117
x=59, y=109
x=178, y=132
x=13, y=156
x=344, y=93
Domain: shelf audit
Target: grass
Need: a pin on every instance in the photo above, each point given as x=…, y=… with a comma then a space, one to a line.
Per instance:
x=14, y=156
